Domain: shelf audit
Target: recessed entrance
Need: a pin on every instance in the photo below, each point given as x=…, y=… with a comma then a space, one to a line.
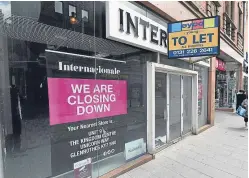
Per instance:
x=173, y=109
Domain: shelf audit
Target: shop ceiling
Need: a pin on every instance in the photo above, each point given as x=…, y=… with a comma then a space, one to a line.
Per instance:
x=27, y=29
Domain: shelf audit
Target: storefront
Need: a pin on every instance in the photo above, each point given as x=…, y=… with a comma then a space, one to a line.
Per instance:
x=75, y=81
x=228, y=81
x=221, y=87
x=228, y=77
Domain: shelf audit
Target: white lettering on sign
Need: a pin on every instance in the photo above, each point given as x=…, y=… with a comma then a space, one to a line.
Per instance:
x=87, y=69
x=126, y=25
x=94, y=100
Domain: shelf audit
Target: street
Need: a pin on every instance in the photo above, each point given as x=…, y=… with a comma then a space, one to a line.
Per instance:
x=219, y=152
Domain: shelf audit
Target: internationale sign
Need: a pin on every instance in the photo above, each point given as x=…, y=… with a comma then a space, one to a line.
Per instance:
x=193, y=38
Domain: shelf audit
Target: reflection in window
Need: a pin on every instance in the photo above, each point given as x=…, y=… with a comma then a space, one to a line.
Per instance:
x=58, y=7
x=84, y=16
x=72, y=10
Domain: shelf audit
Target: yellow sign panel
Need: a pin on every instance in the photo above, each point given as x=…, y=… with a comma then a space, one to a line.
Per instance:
x=200, y=38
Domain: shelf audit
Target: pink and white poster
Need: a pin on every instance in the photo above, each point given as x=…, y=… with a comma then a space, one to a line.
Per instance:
x=72, y=100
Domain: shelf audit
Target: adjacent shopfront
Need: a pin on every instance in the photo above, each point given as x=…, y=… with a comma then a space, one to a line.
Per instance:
x=228, y=81
x=221, y=87
x=87, y=87
x=228, y=77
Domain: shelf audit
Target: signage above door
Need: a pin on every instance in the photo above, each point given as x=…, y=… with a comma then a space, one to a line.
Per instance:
x=125, y=25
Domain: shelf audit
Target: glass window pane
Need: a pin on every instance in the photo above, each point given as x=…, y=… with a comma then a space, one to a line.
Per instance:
x=160, y=109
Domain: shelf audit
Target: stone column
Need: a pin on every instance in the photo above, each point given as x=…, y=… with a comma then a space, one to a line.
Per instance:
x=211, y=91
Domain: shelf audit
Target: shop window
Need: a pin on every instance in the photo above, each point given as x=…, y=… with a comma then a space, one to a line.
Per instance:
x=84, y=15
x=56, y=49
x=58, y=7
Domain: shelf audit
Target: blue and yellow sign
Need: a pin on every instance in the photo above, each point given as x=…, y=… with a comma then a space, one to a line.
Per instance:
x=194, y=38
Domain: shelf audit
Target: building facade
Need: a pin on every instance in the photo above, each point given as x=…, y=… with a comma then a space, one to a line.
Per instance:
x=86, y=87
x=233, y=17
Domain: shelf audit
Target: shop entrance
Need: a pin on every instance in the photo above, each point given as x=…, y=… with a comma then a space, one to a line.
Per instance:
x=172, y=109
x=174, y=104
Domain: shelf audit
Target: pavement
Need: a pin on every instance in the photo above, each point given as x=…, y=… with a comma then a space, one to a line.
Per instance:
x=219, y=152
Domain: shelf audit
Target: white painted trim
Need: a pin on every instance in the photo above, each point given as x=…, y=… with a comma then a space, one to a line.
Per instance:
x=204, y=63
x=158, y=58
x=150, y=108
x=167, y=105
x=195, y=104
x=175, y=70
x=181, y=104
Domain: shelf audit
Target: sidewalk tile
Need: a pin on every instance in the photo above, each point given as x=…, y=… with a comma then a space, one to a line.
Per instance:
x=162, y=172
x=245, y=165
x=219, y=152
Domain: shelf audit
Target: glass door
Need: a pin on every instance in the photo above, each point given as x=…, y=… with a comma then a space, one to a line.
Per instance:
x=175, y=106
x=187, y=106
x=160, y=109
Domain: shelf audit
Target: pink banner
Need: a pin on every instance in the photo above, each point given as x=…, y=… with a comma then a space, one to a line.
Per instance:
x=72, y=100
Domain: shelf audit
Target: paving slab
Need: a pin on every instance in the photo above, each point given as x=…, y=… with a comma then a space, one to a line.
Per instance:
x=219, y=152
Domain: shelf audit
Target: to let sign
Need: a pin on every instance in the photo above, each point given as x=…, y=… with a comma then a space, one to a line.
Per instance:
x=194, y=38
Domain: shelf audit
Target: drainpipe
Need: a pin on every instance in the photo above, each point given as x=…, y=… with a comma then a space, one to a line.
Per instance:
x=244, y=50
x=244, y=22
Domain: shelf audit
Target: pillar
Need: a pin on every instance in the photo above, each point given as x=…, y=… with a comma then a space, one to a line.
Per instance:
x=241, y=86
x=211, y=90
